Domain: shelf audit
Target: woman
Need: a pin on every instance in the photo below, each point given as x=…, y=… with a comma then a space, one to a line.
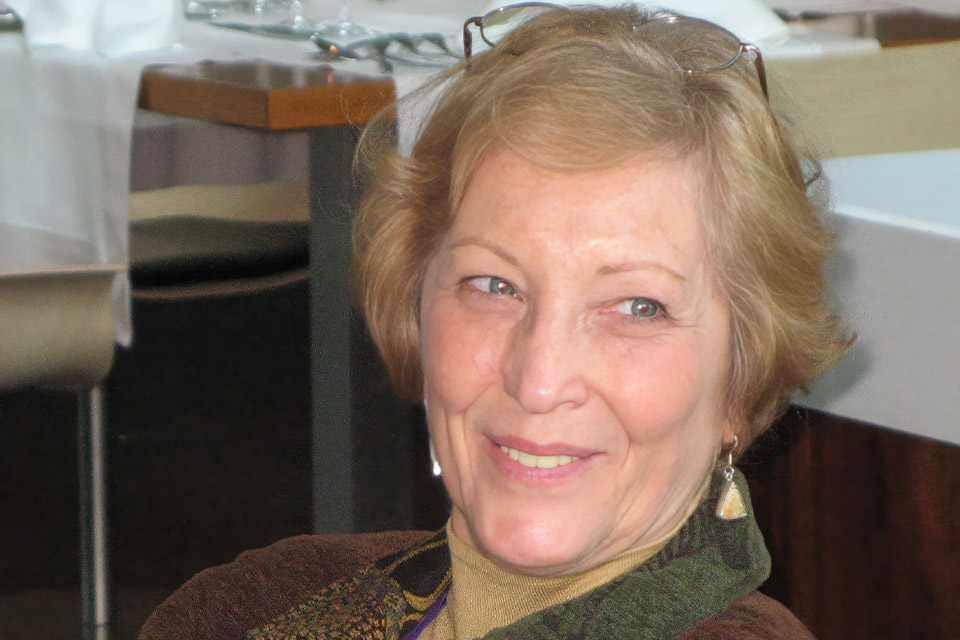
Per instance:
x=600, y=271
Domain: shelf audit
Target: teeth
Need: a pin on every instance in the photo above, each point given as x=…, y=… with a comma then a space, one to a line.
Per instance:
x=537, y=462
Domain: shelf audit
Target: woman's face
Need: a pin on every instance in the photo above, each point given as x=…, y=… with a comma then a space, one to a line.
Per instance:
x=574, y=353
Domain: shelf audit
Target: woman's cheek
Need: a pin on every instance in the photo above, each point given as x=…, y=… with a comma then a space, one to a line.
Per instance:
x=462, y=352
x=653, y=387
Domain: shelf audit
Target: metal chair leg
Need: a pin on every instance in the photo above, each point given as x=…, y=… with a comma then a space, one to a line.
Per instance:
x=96, y=616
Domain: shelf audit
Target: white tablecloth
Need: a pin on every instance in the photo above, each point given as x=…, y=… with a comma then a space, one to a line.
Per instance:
x=896, y=279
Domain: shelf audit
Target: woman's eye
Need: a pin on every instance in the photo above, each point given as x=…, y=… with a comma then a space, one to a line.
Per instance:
x=640, y=307
x=492, y=284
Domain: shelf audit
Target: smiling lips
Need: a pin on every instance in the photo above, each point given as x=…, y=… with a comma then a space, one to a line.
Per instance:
x=535, y=461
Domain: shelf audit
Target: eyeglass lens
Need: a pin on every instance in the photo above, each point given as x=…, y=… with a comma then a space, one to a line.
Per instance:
x=695, y=45
x=499, y=22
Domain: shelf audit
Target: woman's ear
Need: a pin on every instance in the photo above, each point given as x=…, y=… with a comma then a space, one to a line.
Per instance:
x=732, y=428
x=729, y=431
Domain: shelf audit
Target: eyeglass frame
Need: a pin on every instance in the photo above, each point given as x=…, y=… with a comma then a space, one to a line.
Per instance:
x=744, y=47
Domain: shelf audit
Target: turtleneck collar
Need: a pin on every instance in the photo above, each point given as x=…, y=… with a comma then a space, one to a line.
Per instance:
x=484, y=596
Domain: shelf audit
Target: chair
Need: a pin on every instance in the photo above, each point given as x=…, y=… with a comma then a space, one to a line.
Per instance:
x=189, y=241
x=58, y=333
x=223, y=602
x=58, y=328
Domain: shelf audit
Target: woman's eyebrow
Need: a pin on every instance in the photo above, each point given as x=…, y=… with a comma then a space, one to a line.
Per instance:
x=639, y=265
x=489, y=246
x=617, y=267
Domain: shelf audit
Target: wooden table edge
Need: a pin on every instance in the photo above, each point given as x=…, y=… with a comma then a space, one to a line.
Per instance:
x=344, y=99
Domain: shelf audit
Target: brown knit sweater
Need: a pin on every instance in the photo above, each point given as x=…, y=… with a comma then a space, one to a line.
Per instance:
x=223, y=603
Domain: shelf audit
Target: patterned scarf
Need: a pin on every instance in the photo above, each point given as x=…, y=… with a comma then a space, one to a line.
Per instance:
x=707, y=565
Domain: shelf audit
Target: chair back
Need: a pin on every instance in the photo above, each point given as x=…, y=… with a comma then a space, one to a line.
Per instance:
x=56, y=327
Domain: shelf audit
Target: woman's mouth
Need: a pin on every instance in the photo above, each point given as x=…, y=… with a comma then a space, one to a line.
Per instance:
x=540, y=463
x=537, y=462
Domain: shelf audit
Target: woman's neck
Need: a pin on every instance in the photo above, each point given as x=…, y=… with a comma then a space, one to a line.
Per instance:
x=483, y=596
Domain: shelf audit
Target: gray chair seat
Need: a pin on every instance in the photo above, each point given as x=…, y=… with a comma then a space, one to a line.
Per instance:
x=187, y=249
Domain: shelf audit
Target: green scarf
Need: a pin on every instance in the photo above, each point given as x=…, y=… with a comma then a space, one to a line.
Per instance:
x=707, y=565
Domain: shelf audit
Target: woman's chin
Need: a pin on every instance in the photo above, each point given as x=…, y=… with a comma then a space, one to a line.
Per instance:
x=535, y=547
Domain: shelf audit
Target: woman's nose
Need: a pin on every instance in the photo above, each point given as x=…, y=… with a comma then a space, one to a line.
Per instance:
x=542, y=368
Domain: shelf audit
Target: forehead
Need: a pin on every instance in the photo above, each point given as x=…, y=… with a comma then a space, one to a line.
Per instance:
x=640, y=210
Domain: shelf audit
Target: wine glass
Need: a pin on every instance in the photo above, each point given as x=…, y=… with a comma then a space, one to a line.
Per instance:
x=211, y=9
x=342, y=29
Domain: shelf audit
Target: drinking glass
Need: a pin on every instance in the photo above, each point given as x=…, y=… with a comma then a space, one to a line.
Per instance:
x=343, y=28
x=207, y=9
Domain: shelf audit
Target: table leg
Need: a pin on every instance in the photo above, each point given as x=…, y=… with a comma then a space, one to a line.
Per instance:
x=96, y=610
x=362, y=433
x=332, y=201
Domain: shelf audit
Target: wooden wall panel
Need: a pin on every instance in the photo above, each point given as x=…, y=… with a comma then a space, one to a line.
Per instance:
x=863, y=526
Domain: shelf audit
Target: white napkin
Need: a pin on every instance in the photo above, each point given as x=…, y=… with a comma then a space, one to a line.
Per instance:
x=110, y=27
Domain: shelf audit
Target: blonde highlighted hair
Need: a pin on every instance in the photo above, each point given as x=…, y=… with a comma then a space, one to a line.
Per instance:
x=585, y=88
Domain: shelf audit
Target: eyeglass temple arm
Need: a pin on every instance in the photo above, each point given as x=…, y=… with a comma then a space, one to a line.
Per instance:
x=468, y=37
x=758, y=63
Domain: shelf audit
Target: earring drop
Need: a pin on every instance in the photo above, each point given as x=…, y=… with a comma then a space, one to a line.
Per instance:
x=437, y=472
x=433, y=459
x=731, y=505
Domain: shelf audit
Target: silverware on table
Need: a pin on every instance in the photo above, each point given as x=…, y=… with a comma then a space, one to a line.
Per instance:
x=420, y=49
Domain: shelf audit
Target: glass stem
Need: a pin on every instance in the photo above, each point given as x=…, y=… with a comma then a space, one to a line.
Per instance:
x=344, y=16
x=296, y=10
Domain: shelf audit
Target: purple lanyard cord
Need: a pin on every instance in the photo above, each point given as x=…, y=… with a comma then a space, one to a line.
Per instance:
x=428, y=617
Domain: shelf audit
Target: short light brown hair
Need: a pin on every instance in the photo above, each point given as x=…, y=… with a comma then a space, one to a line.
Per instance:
x=580, y=89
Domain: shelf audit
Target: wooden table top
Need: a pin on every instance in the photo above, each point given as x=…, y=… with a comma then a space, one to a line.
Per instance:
x=273, y=96
x=265, y=95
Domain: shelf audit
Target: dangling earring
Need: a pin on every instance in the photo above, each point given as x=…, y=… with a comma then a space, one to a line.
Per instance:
x=433, y=453
x=433, y=458
x=730, y=506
